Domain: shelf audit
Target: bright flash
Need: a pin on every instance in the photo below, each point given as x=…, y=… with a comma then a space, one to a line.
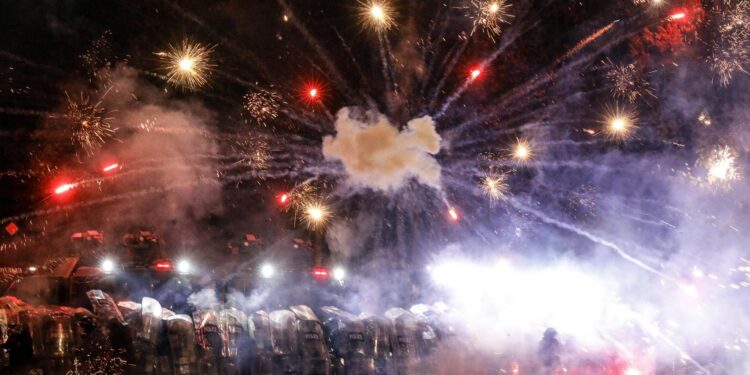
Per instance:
x=184, y=267
x=620, y=122
x=453, y=214
x=187, y=64
x=722, y=167
x=339, y=273
x=522, y=151
x=632, y=371
x=313, y=93
x=316, y=214
x=107, y=265
x=377, y=15
x=267, y=271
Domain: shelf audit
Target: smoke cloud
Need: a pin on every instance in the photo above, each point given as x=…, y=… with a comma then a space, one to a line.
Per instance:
x=376, y=155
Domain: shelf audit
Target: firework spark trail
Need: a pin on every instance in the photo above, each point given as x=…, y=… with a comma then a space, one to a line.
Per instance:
x=505, y=43
x=29, y=112
x=385, y=67
x=362, y=78
x=430, y=47
x=447, y=72
x=655, y=331
x=586, y=41
x=550, y=73
x=522, y=207
x=330, y=65
x=89, y=203
x=27, y=62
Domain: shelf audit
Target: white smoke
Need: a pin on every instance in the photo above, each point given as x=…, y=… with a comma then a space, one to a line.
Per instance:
x=377, y=155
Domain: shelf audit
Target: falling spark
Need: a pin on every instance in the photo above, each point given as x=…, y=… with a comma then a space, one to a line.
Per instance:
x=377, y=15
x=722, y=167
x=620, y=123
x=490, y=15
x=495, y=187
x=188, y=64
x=90, y=123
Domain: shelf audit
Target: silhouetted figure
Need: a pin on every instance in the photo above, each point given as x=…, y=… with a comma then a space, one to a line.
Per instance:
x=549, y=350
x=20, y=349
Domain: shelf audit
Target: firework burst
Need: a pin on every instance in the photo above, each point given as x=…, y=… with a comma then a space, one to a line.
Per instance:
x=731, y=49
x=722, y=167
x=378, y=15
x=495, y=187
x=490, y=15
x=253, y=149
x=620, y=122
x=188, y=64
x=263, y=105
x=522, y=151
x=316, y=214
x=627, y=82
x=90, y=123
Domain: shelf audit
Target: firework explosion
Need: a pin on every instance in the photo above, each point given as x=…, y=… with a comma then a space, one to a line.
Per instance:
x=188, y=64
x=496, y=187
x=490, y=15
x=731, y=50
x=627, y=82
x=263, y=105
x=388, y=122
x=90, y=123
x=620, y=123
x=722, y=167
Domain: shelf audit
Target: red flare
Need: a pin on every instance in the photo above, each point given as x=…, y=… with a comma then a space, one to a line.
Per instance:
x=453, y=214
x=111, y=167
x=64, y=188
x=475, y=74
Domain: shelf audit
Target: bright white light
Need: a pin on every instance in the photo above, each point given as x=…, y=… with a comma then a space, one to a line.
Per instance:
x=267, y=271
x=339, y=273
x=560, y=296
x=184, y=267
x=186, y=64
x=32, y=269
x=107, y=265
x=632, y=371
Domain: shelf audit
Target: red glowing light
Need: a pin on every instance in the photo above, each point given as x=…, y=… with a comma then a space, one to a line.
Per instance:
x=313, y=93
x=111, y=167
x=677, y=16
x=163, y=265
x=475, y=73
x=283, y=198
x=320, y=273
x=64, y=188
x=453, y=214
